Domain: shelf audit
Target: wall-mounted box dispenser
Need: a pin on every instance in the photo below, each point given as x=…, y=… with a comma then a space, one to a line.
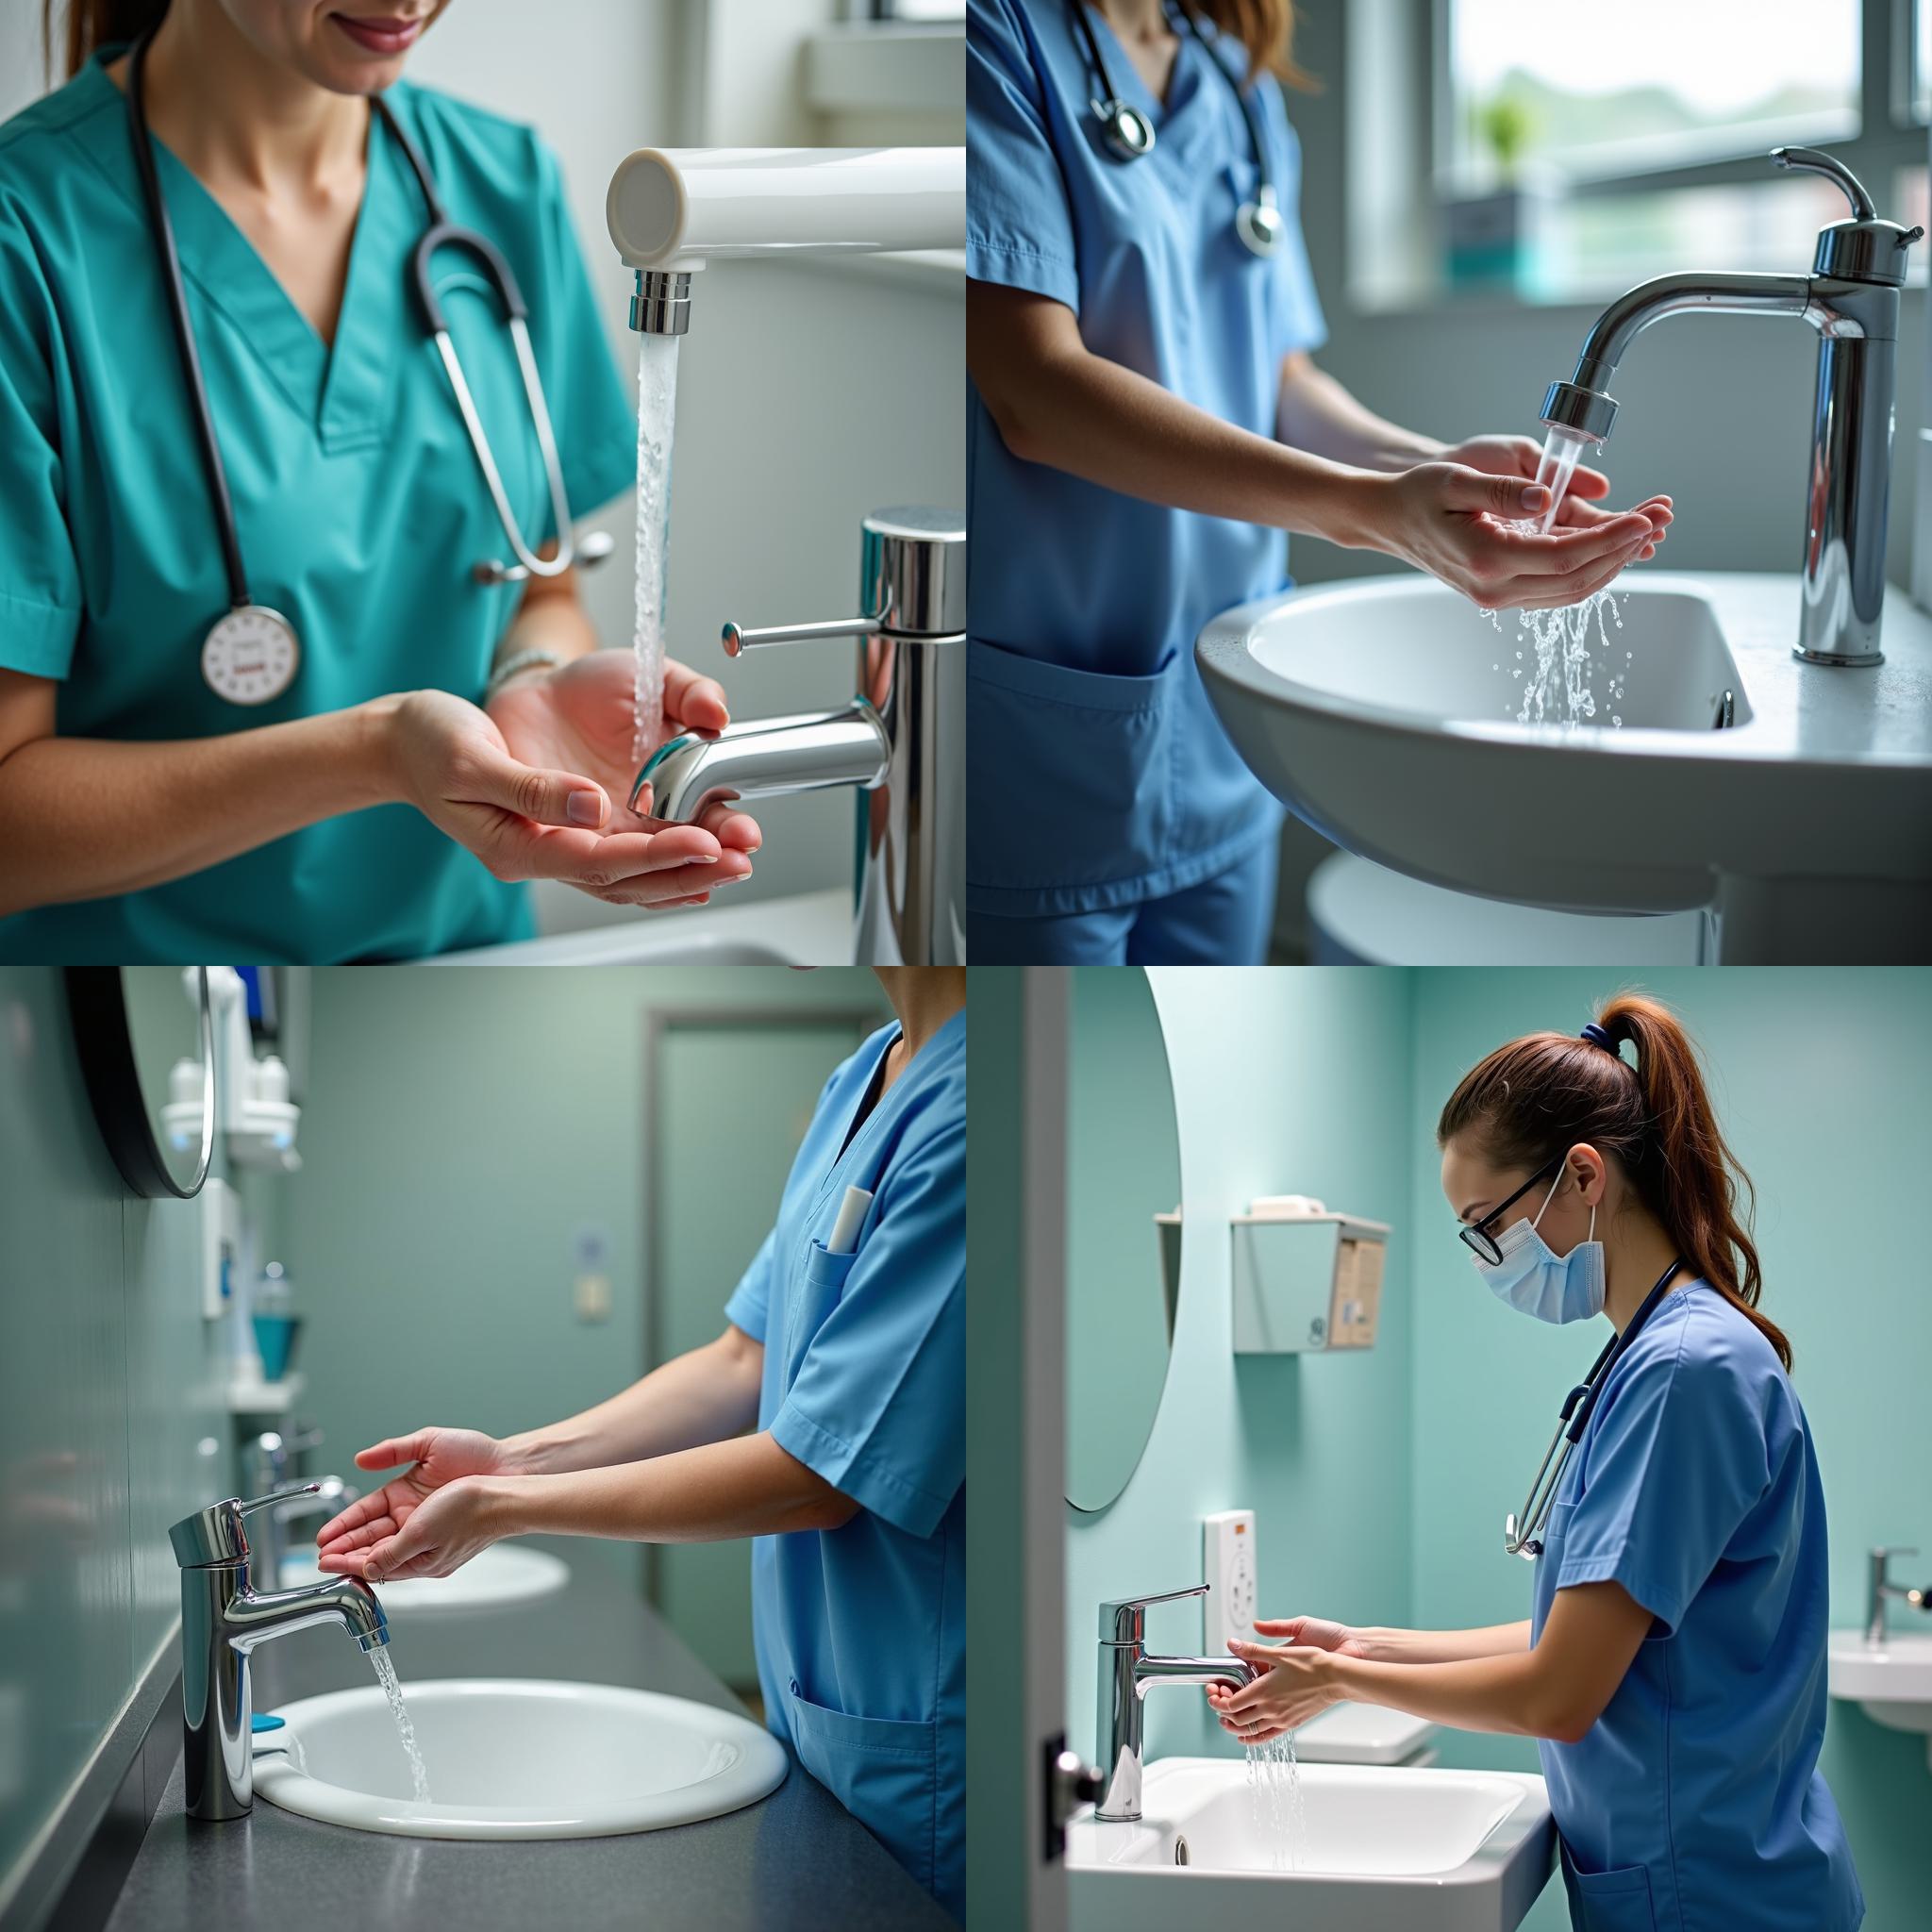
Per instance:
x=1306, y=1279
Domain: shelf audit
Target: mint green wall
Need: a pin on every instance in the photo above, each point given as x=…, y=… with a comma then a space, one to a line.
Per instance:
x=106, y=1369
x=1824, y=1081
x=1292, y=1081
x=460, y=1127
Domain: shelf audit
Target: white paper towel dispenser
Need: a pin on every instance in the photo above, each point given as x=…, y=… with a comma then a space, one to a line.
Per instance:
x=1305, y=1280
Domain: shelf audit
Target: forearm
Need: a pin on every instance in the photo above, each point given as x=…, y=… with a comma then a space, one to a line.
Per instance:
x=1515, y=1694
x=746, y=1486
x=1389, y=1644
x=1316, y=414
x=1093, y=419
x=701, y=1396
x=83, y=818
x=551, y=618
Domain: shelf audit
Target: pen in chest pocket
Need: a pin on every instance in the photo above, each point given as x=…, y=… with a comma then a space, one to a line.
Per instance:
x=845, y=1234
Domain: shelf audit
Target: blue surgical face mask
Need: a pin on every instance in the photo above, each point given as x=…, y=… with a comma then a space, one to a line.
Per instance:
x=1553, y=1288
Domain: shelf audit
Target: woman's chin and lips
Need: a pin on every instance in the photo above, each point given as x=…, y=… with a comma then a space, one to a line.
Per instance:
x=362, y=50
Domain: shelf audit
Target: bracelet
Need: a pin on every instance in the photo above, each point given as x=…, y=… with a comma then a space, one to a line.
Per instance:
x=513, y=666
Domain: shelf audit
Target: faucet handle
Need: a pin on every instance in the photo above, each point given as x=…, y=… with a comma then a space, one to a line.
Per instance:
x=1813, y=160
x=739, y=638
x=215, y=1535
x=1124, y=1620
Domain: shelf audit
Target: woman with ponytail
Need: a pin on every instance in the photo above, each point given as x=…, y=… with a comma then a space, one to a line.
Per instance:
x=1673, y=1666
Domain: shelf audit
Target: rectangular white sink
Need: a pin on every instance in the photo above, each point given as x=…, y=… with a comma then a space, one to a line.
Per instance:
x=1398, y=1850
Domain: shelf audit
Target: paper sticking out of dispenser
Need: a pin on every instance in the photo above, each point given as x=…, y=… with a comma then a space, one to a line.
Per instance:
x=1305, y=1280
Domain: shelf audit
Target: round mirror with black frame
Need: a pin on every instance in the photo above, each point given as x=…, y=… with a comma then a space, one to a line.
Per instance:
x=132, y=1024
x=1122, y=1192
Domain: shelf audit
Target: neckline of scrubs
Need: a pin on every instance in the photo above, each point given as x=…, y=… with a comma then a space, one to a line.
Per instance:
x=341, y=389
x=1183, y=80
x=889, y=1101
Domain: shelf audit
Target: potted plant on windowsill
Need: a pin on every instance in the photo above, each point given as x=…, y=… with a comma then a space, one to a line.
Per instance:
x=1496, y=238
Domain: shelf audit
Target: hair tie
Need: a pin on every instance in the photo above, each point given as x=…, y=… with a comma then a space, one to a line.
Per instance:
x=1599, y=1035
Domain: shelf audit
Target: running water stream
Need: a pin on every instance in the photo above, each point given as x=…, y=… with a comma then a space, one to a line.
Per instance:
x=385, y=1676
x=657, y=425
x=1275, y=1799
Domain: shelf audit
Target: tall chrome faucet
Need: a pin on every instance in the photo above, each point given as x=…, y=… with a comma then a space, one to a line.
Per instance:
x=1880, y=1589
x=1851, y=298
x=1126, y=1675
x=900, y=741
x=222, y=1617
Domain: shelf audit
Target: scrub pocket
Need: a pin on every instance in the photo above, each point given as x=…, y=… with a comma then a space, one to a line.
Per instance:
x=811, y=1295
x=884, y=1771
x=1072, y=772
x=1615, y=1901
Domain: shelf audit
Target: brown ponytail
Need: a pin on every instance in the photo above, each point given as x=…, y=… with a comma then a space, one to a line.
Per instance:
x=92, y=25
x=1264, y=27
x=1546, y=1091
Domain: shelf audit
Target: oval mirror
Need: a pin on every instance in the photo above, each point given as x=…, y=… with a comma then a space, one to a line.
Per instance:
x=134, y=1026
x=1122, y=1194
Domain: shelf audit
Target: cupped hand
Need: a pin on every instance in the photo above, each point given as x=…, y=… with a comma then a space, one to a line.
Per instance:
x=528, y=822
x=1464, y=527
x=1515, y=457
x=1294, y=1684
x=443, y=1532
x=437, y=1457
x=1310, y=1633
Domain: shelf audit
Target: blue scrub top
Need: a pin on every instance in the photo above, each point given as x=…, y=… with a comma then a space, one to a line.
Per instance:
x=1695, y=1800
x=1100, y=776
x=861, y=1630
x=357, y=498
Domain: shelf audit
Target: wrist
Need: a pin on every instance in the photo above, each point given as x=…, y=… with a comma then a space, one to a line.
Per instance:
x=1355, y=509
x=377, y=754
x=533, y=1452
x=506, y=1504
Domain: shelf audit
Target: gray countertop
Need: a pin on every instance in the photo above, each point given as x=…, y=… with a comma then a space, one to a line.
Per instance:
x=797, y=1863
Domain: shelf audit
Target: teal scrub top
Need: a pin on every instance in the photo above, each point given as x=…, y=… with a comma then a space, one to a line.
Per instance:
x=357, y=498
x=861, y=1630
x=1695, y=1799
x=1086, y=713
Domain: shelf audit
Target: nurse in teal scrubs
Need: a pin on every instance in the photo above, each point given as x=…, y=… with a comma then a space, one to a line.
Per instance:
x=1145, y=422
x=1673, y=1664
x=441, y=738
x=827, y=1421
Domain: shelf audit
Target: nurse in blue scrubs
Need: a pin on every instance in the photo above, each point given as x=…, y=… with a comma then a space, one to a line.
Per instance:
x=1145, y=424
x=1672, y=1665
x=379, y=792
x=827, y=1422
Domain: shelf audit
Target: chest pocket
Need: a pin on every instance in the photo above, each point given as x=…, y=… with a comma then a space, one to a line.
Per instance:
x=1617, y=1900
x=811, y=1295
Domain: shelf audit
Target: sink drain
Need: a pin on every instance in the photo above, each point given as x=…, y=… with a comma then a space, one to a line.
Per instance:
x=1180, y=1850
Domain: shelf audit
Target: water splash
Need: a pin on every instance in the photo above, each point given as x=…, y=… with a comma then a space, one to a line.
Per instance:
x=1558, y=681
x=1275, y=1806
x=657, y=428
x=385, y=1676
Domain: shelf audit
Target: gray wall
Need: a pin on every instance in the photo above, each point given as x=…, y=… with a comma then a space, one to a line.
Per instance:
x=106, y=1369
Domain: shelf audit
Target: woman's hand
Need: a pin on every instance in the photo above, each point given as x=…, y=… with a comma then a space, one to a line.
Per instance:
x=449, y=1526
x=1457, y=524
x=437, y=1457
x=1310, y=1633
x=1296, y=1684
x=526, y=821
x=1521, y=457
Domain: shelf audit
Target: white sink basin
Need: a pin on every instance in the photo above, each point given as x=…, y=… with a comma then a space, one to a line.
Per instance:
x=1893, y=1684
x=511, y=1757
x=800, y=929
x=503, y=1576
x=1400, y=1850
x=1384, y=710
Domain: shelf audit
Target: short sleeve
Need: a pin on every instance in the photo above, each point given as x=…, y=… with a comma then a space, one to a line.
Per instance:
x=1300, y=324
x=40, y=577
x=750, y=1305
x=1677, y=1458
x=878, y=1405
x=1019, y=228
x=595, y=427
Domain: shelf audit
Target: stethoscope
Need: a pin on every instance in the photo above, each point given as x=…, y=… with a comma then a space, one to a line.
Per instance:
x=1527, y=1540
x=250, y=655
x=1127, y=134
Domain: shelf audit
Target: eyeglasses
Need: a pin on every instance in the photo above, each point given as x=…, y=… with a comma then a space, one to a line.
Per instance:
x=1478, y=1235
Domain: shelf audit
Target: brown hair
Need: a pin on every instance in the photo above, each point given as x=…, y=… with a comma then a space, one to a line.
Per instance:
x=1546, y=1092
x=92, y=25
x=1265, y=28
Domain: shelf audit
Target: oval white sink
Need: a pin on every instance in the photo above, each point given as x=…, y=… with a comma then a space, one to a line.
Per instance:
x=1403, y=1850
x=504, y=1574
x=1893, y=1680
x=514, y=1758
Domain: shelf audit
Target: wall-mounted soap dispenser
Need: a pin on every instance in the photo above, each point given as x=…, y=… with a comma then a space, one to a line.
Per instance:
x=1305, y=1280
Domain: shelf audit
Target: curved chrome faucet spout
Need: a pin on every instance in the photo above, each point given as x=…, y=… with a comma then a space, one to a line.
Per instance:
x=763, y=759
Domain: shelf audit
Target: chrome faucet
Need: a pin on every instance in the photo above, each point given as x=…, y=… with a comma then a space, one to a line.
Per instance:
x=1126, y=1675
x=222, y=1619
x=900, y=741
x=1851, y=298
x=268, y=1471
x=1880, y=1587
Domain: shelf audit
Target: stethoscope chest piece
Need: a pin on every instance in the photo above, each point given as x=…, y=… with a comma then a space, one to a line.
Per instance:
x=1125, y=133
x=1259, y=224
x=250, y=655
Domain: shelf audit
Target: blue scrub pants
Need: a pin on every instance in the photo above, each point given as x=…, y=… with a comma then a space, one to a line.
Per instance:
x=1224, y=921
